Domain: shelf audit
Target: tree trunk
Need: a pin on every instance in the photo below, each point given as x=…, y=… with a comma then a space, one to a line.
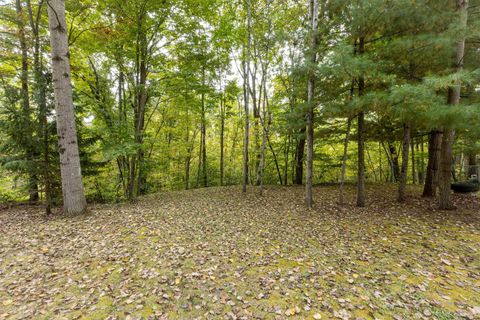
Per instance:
x=361, y=161
x=41, y=100
x=404, y=171
x=380, y=161
x=310, y=102
x=26, y=123
x=266, y=119
x=142, y=98
x=431, y=178
x=299, y=155
x=453, y=170
x=341, y=199
x=72, y=186
x=414, y=171
x=287, y=158
x=188, y=159
x=222, y=133
x=445, y=201
x=395, y=163
x=246, y=93
x=421, y=163
x=472, y=165
x=261, y=165
x=203, y=137
x=361, y=137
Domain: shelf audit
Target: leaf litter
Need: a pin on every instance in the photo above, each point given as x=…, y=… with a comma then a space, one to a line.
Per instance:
x=216, y=253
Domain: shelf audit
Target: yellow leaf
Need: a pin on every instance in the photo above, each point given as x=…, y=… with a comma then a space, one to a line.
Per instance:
x=7, y=302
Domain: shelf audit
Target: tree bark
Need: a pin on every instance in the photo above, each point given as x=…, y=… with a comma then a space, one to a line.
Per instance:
x=222, y=138
x=41, y=100
x=361, y=136
x=341, y=199
x=380, y=160
x=404, y=171
x=246, y=93
x=414, y=171
x=421, y=163
x=445, y=201
x=299, y=155
x=310, y=102
x=431, y=178
x=395, y=163
x=287, y=158
x=203, y=137
x=72, y=186
x=472, y=165
x=26, y=122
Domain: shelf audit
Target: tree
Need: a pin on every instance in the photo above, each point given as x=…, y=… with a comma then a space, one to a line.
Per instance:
x=448, y=137
x=72, y=186
x=33, y=179
x=246, y=95
x=310, y=101
x=361, y=134
x=404, y=169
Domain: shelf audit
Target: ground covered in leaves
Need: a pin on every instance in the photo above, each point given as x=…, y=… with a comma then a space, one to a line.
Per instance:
x=215, y=253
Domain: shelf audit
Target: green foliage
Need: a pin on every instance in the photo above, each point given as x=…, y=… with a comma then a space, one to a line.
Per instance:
x=185, y=59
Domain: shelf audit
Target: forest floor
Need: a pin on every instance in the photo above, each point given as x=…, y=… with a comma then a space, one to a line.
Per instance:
x=215, y=253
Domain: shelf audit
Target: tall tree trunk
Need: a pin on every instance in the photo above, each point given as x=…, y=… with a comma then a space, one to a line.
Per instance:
x=246, y=93
x=341, y=199
x=404, y=171
x=421, y=163
x=431, y=178
x=222, y=133
x=142, y=98
x=72, y=186
x=472, y=165
x=266, y=119
x=445, y=201
x=390, y=175
x=361, y=160
x=40, y=89
x=26, y=122
x=453, y=170
x=310, y=102
x=395, y=163
x=188, y=160
x=287, y=158
x=361, y=136
x=380, y=160
x=203, y=134
x=299, y=155
x=414, y=171
x=261, y=166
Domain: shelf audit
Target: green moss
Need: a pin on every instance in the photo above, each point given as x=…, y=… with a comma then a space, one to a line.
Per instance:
x=115, y=277
x=103, y=308
x=441, y=314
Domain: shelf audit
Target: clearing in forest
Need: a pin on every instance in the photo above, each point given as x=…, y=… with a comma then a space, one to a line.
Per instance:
x=215, y=253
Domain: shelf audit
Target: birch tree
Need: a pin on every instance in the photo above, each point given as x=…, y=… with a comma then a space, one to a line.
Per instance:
x=72, y=186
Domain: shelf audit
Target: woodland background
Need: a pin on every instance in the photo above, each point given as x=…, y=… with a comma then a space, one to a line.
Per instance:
x=162, y=91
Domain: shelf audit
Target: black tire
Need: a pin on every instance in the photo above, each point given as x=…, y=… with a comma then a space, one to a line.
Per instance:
x=466, y=187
